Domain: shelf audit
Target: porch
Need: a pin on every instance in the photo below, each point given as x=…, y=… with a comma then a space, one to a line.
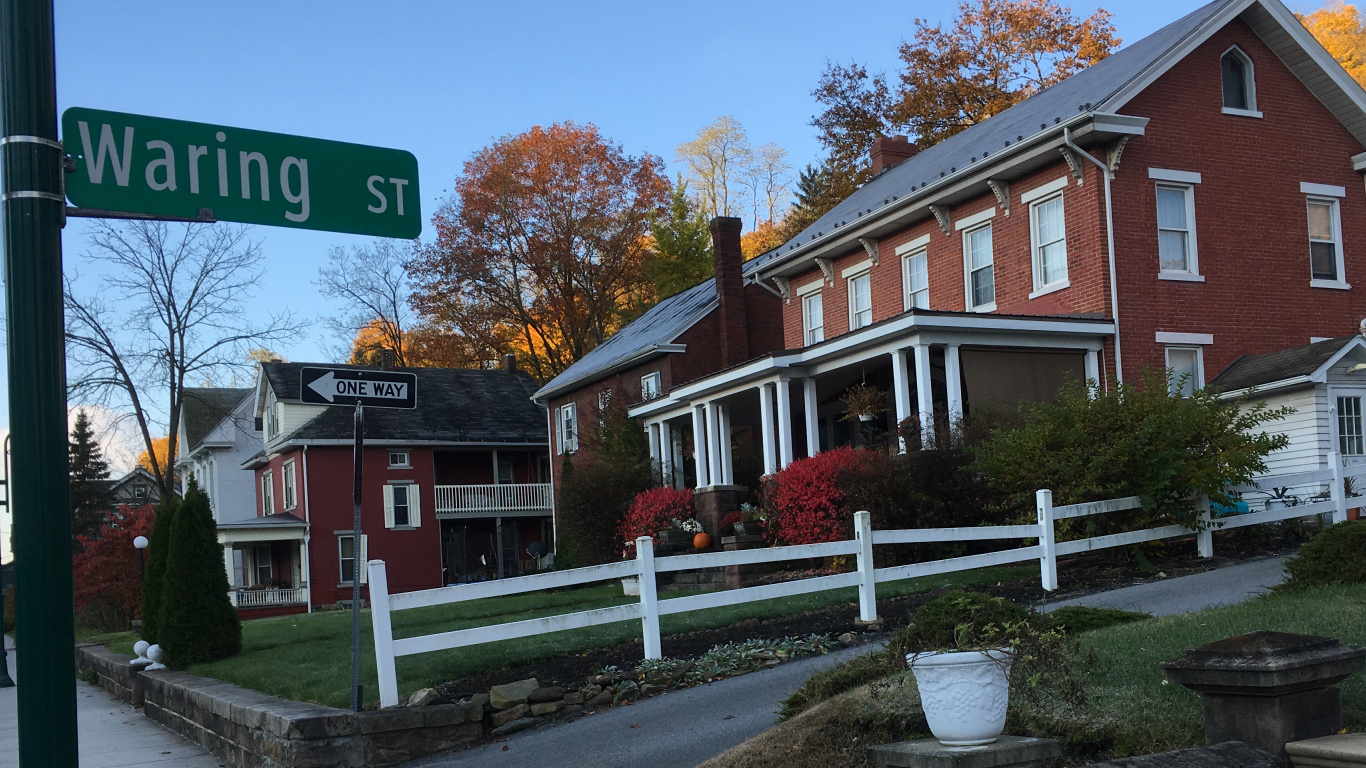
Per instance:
x=934, y=367
x=485, y=500
x=492, y=482
x=267, y=564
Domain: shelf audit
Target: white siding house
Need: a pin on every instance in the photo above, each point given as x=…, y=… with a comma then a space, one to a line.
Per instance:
x=217, y=434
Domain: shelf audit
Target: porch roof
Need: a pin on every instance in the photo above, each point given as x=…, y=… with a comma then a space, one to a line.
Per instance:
x=1303, y=365
x=281, y=525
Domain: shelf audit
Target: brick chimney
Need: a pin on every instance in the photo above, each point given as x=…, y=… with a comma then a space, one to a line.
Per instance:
x=388, y=359
x=510, y=363
x=730, y=289
x=887, y=151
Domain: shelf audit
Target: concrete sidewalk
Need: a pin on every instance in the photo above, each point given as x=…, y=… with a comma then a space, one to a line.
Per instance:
x=111, y=733
x=1184, y=594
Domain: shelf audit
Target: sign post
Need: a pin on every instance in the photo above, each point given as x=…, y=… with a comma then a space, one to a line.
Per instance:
x=359, y=388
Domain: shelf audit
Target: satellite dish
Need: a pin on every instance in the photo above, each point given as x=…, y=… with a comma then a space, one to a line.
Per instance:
x=536, y=550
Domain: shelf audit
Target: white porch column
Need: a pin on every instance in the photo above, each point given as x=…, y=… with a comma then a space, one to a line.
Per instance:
x=766, y=428
x=716, y=465
x=676, y=451
x=656, y=456
x=813, y=420
x=699, y=444
x=784, y=423
x=227, y=563
x=727, y=459
x=953, y=377
x=924, y=393
x=901, y=392
x=1092, y=369
x=666, y=455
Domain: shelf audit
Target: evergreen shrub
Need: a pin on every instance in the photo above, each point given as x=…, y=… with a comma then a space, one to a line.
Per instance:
x=1332, y=557
x=198, y=622
x=597, y=485
x=158, y=544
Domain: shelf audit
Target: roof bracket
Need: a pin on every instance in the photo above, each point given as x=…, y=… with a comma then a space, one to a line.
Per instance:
x=784, y=287
x=1002, y=191
x=1074, y=163
x=941, y=214
x=1113, y=153
x=871, y=247
x=828, y=268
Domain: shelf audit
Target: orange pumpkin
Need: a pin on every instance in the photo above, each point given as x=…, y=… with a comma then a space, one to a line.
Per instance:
x=701, y=540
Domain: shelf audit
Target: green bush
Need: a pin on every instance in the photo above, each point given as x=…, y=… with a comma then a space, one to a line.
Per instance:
x=198, y=623
x=157, y=546
x=1331, y=557
x=938, y=624
x=844, y=676
x=597, y=486
x=1075, y=619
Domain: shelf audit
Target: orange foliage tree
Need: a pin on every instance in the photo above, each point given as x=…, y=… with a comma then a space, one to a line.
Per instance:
x=546, y=235
x=1338, y=28
x=162, y=446
x=108, y=573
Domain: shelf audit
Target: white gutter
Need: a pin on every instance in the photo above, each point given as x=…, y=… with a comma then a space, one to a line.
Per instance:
x=308, y=536
x=1290, y=383
x=1106, y=173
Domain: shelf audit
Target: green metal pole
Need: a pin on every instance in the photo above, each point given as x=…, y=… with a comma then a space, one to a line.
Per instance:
x=33, y=208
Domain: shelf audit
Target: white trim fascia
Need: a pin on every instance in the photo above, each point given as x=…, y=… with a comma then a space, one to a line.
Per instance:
x=1317, y=339
x=1320, y=374
x=918, y=243
x=974, y=219
x=1183, y=277
x=1181, y=177
x=1326, y=190
x=857, y=269
x=544, y=394
x=1290, y=383
x=1052, y=287
x=1359, y=162
x=810, y=288
x=1336, y=285
x=1241, y=112
x=1198, y=339
x=1043, y=190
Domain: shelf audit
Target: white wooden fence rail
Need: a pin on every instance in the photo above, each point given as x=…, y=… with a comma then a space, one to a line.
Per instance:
x=865, y=577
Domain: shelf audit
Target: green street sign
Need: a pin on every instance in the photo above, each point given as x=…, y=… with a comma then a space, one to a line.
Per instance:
x=164, y=167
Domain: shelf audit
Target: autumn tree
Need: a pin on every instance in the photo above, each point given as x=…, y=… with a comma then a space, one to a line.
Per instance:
x=996, y=54
x=169, y=311
x=729, y=176
x=373, y=286
x=546, y=236
x=161, y=449
x=89, y=472
x=1338, y=28
x=107, y=571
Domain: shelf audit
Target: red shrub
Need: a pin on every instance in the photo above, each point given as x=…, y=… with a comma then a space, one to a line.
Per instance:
x=731, y=519
x=805, y=503
x=107, y=571
x=651, y=512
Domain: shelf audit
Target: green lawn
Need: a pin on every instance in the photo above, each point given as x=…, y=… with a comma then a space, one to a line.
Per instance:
x=308, y=657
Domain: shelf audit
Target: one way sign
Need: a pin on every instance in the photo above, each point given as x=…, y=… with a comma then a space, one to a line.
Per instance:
x=348, y=386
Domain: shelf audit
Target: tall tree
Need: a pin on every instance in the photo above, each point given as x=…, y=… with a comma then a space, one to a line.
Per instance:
x=161, y=449
x=108, y=573
x=159, y=542
x=681, y=255
x=198, y=623
x=546, y=235
x=89, y=472
x=373, y=286
x=1339, y=29
x=717, y=162
x=170, y=309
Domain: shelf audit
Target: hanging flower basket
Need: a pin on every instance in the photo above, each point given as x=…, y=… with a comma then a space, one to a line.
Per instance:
x=863, y=402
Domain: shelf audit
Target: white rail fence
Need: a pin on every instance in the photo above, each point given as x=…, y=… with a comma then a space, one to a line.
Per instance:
x=502, y=497
x=260, y=598
x=865, y=577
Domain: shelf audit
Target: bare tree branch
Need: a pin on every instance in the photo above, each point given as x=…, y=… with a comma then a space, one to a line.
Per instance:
x=373, y=284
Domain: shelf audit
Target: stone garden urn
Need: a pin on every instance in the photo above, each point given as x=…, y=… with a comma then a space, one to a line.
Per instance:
x=964, y=694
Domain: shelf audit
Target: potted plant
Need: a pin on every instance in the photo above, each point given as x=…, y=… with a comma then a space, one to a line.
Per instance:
x=735, y=521
x=863, y=402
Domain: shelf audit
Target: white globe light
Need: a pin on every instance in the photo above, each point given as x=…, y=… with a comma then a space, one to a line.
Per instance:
x=140, y=542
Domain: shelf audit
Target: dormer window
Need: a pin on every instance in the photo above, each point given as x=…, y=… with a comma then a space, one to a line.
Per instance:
x=1240, y=88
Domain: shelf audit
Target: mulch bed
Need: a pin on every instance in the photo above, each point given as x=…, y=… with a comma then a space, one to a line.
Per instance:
x=1076, y=577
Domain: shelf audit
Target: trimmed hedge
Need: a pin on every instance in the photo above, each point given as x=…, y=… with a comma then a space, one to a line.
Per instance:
x=158, y=544
x=1331, y=557
x=198, y=623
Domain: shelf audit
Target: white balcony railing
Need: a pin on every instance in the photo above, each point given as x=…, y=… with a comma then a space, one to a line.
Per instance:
x=260, y=598
x=460, y=500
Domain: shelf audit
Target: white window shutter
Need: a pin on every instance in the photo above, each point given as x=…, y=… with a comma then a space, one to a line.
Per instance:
x=388, y=506
x=364, y=558
x=414, y=506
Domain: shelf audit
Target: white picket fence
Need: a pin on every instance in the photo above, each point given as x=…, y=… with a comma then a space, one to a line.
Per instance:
x=865, y=577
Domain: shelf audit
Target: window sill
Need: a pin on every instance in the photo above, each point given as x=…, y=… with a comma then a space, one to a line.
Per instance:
x=1336, y=285
x=1188, y=277
x=1242, y=112
x=400, y=466
x=1051, y=288
x=985, y=308
x=403, y=528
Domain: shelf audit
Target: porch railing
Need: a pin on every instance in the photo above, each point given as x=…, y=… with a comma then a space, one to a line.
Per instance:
x=455, y=500
x=260, y=598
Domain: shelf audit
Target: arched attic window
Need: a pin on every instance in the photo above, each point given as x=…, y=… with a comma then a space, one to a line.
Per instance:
x=1239, y=84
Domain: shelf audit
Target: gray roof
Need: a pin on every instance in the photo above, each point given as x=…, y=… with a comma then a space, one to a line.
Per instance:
x=1257, y=370
x=278, y=520
x=202, y=408
x=457, y=405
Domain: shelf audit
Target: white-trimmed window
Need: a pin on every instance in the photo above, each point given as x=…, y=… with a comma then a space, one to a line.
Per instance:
x=272, y=416
x=402, y=504
x=288, y=477
x=567, y=428
x=261, y=560
x=346, y=551
x=860, y=301
x=915, y=275
x=981, y=274
x=1176, y=229
x=1048, y=234
x=813, y=318
x=1350, y=440
x=1239, y=83
x=400, y=460
x=1325, y=242
x=1186, y=368
x=267, y=493
x=650, y=387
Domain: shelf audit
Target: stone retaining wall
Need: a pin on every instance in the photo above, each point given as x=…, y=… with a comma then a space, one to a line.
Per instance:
x=248, y=729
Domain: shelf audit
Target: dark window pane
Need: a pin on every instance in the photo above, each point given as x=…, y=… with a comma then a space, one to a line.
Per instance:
x=1323, y=261
x=1235, y=81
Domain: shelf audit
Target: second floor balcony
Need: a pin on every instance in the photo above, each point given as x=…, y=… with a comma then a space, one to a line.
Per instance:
x=501, y=499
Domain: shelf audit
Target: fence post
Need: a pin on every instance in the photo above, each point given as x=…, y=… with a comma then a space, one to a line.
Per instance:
x=649, y=600
x=867, y=581
x=1339, y=489
x=1204, y=538
x=1048, y=563
x=383, y=630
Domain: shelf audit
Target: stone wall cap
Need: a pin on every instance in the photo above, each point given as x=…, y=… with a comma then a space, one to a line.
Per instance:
x=1344, y=748
x=1266, y=652
x=929, y=753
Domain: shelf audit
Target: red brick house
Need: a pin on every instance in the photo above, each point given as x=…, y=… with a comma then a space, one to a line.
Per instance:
x=456, y=490
x=1194, y=198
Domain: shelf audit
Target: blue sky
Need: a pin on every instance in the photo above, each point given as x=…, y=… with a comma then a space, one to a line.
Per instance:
x=442, y=79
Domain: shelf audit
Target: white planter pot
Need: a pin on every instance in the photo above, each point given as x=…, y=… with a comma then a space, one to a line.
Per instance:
x=963, y=694
x=630, y=586
x=865, y=417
